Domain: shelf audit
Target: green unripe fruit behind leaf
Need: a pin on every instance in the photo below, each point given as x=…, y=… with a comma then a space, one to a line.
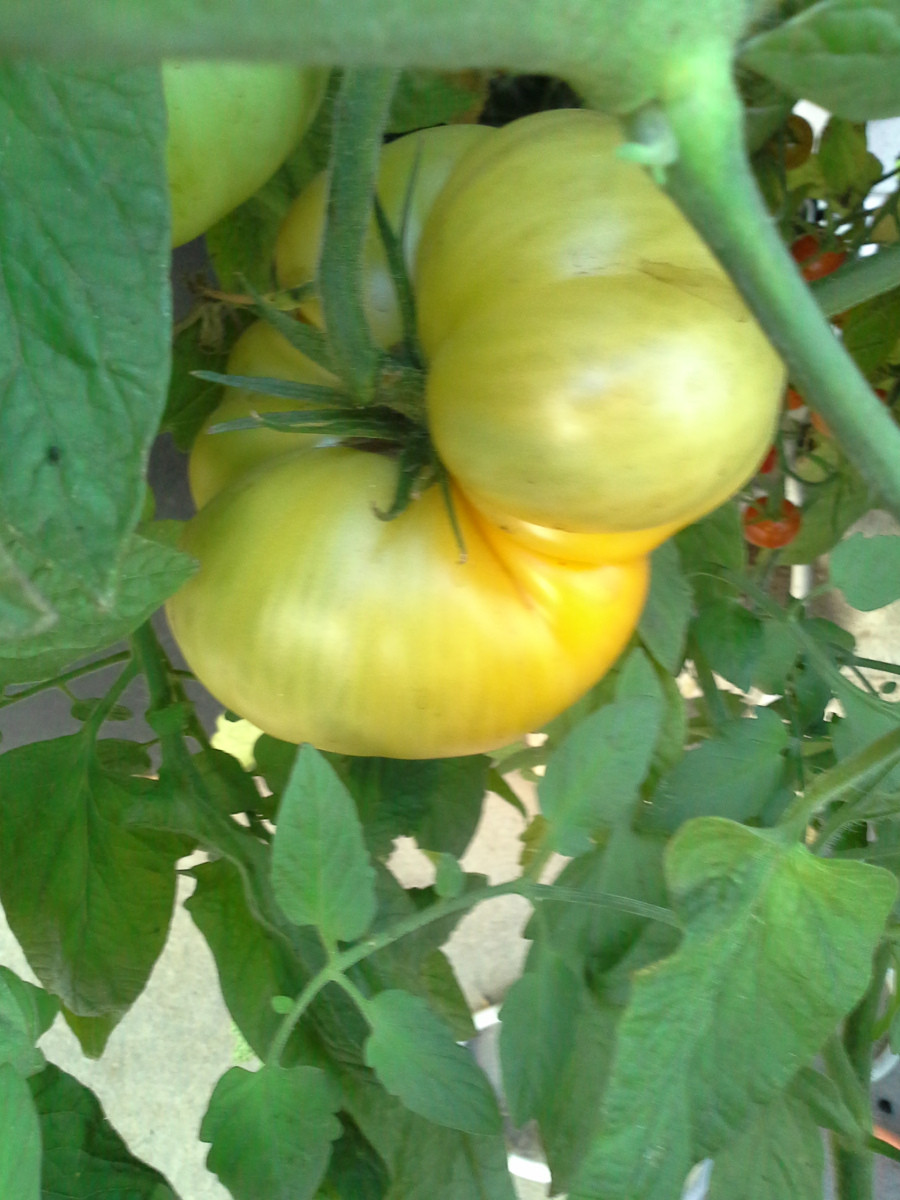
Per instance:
x=231, y=126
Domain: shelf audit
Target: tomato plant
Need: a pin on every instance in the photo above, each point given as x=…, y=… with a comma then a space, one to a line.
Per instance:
x=230, y=126
x=426, y=524
x=771, y=532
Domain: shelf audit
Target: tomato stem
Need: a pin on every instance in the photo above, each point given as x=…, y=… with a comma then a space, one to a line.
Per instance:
x=361, y=111
x=341, y=962
x=90, y=668
x=854, y=1168
x=713, y=184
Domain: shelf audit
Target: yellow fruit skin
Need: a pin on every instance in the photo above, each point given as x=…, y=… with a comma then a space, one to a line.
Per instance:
x=318, y=622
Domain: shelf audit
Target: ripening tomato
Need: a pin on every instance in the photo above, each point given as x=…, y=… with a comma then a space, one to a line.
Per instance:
x=413, y=171
x=771, y=533
x=813, y=261
x=319, y=622
x=797, y=143
x=591, y=368
x=218, y=458
x=231, y=126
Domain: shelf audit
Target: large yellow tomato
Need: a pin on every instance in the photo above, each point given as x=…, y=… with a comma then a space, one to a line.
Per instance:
x=320, y=622
x=591, y=368
x=231, y=126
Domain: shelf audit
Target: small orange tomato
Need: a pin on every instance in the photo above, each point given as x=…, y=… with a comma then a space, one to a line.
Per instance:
x=770, y=533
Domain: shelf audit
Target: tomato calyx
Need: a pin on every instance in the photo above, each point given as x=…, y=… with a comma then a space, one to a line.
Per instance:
x=768, y=531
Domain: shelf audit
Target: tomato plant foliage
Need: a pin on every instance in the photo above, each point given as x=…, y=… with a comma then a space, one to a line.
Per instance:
x=510, y=449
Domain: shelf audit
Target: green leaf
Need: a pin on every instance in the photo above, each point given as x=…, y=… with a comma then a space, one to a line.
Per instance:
x=716, y=1020
x=417, y=1059
x=271, y=1131
x=593, y=778
x=84, y=315
x=24, y=612
x=191, y=400
x=84, y=1157
x=321, y=872
x=865, y=719
x=568, y=1110
x=641, y=677
x=414, y=963
x=26, y=1013
x=848, y=168
x=628, y=864
x=92, y=1032
x=149, y=573
x=830, y=512
x=226, y=781
x=730, y=639
x=88, y=897
x=449, y=877
x=733, y=775
x=437, y=801
x=253, y=966
x=539, y=1018
x=425, y=98
x=663, y=624
x=20, y=1139
x=867, y=570
x=826, y=1105
x=356, y=1171
x=778, y=652
x=779, y=1156
x=872, y=330
x=841, y=54
x=426, y=1161
x=710, y=545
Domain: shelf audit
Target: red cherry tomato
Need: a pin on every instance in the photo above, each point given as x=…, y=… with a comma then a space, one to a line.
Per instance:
x=793, y=399
x=770, y=533
x=768, y=463
x=814, y=262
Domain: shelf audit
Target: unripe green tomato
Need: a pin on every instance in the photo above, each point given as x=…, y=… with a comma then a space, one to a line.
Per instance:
x=413, y=171
x=231, y=126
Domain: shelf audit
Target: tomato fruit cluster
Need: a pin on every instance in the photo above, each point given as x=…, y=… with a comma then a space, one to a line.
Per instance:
x=592, y=383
